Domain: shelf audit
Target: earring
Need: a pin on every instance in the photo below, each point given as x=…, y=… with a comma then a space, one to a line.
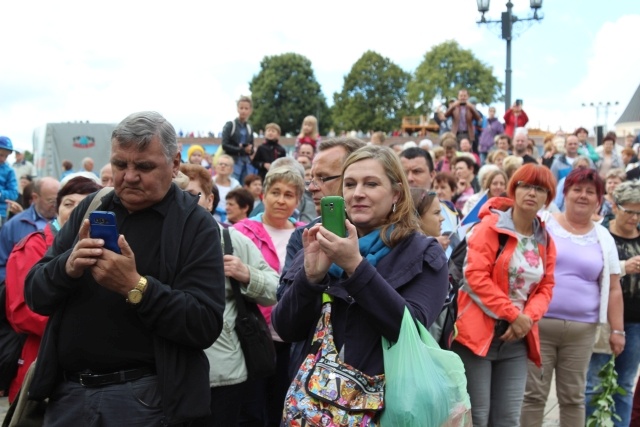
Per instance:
x=393, y=209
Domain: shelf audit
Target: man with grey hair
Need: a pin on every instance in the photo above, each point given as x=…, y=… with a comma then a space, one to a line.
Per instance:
x=42, y=211
x=126, y=332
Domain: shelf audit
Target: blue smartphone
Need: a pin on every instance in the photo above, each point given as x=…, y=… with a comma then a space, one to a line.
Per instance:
x=102, y=225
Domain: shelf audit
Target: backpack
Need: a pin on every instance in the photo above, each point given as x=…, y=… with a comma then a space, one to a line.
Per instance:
x=444, y=328
x=220, y=151
x=11, y=342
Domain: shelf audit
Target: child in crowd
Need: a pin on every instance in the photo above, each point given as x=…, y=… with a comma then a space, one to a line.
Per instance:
x=195, y=154
x=269, y=150
x=237, y=139
x=8, y=182
x=309, y=134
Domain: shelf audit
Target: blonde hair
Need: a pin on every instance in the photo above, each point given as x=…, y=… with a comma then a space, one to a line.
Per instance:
x=510, y=164
x=403, y=219
x=314, y=122
x=491, y=157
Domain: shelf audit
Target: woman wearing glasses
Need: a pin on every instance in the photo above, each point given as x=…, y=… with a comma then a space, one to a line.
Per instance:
x=623, y=226
x=587, y=293
x=508, y=284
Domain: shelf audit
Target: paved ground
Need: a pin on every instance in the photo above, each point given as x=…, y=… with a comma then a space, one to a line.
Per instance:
x=551, y=411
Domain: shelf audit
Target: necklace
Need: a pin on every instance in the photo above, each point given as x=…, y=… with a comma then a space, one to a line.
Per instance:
x=575, y=231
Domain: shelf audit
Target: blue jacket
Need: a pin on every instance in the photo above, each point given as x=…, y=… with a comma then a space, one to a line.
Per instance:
x=369, y=304
x=8, y=189
x=13, y=231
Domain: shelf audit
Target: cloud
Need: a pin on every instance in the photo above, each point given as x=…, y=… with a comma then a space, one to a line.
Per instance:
x=190, y=60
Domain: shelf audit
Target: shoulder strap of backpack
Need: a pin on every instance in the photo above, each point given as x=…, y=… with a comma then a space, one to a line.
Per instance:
x=97, y=200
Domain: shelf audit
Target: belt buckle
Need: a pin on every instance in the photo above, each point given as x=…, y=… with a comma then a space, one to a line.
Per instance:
x=81, y=377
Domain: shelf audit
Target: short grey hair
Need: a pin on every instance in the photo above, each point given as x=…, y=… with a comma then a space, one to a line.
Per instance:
x=139, y=129
x=288, y=162
x=581, y=159
x=627, y=192
x=286, y=174
x=350, y=144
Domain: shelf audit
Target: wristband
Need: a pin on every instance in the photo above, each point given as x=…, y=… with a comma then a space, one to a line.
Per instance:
x=623, y=333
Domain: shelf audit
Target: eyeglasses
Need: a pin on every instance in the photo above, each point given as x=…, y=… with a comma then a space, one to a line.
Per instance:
x=322, y=180
x=224, y=164
x=628, y=211
x=529, y=187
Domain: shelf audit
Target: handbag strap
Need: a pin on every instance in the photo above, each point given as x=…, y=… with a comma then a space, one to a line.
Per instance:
x=235, y=285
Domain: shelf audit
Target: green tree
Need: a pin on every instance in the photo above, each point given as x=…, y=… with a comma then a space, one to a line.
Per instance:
x=285, y=91
x=373, y=96
x=446, y=69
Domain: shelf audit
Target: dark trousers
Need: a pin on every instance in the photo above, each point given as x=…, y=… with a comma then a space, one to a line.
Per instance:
x=136, y=403
x=226, y=402
x=264, y=398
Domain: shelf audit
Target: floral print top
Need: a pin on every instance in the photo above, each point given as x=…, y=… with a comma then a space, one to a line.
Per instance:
x=525, y=270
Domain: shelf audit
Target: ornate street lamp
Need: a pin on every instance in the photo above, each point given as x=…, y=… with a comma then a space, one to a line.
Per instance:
x=507, y=20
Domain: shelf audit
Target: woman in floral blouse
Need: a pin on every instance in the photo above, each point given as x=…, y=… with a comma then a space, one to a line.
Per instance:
x=508, y=284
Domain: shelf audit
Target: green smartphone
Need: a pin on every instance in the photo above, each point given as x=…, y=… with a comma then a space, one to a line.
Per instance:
x=333, y=215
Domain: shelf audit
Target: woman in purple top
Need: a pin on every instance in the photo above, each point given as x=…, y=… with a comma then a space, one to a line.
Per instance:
x=587, y=293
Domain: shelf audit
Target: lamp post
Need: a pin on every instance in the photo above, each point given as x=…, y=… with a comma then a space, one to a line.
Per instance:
x=507, y=20
x=605, y=106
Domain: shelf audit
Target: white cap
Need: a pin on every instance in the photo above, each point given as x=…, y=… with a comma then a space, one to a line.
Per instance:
x=409, y=144
x=426, y=143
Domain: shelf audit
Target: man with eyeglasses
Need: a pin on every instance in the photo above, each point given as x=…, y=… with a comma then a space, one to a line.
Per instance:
x=43, y=209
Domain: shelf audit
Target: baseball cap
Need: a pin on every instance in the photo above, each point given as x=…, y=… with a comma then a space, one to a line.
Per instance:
x=6, y=143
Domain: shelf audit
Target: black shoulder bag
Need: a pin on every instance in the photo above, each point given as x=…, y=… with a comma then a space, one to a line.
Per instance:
x=252, y=329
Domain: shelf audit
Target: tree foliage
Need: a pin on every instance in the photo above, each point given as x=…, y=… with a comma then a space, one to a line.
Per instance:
x=373, y=96
x=446, y=69
x=285, y=91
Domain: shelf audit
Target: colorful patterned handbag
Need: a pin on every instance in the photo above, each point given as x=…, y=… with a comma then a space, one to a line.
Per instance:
x=327, y=391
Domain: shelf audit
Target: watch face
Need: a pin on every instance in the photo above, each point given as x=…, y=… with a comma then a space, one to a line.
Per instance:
x=134, y=296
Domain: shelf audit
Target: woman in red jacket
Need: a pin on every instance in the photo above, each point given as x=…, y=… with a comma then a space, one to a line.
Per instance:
x=24, y=255
x=508, y=282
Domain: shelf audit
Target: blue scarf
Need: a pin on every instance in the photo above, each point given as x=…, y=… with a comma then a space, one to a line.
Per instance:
x=371, y=247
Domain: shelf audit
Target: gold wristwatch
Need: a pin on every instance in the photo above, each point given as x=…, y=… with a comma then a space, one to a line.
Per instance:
x=135, y=295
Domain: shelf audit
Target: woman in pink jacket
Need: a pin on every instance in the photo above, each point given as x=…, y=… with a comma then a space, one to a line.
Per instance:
x=270, y=231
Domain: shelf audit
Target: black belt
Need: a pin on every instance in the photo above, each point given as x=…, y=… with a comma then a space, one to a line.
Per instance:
x=90, y=379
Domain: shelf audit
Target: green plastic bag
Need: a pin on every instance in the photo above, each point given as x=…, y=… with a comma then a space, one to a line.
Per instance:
x=425, y=385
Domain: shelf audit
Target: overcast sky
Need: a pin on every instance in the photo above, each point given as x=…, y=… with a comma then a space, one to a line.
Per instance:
x=190, y=60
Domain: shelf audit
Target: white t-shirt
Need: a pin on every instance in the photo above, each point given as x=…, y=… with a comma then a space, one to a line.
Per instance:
x=525, y=270
x=224, y=190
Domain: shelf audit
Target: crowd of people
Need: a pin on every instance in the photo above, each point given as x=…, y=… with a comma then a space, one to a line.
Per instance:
x=147, y=334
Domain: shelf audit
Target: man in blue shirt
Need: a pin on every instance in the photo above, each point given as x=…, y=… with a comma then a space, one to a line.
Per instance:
x=42, y=210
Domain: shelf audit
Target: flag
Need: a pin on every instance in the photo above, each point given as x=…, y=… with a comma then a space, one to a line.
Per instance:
x=472, y=217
